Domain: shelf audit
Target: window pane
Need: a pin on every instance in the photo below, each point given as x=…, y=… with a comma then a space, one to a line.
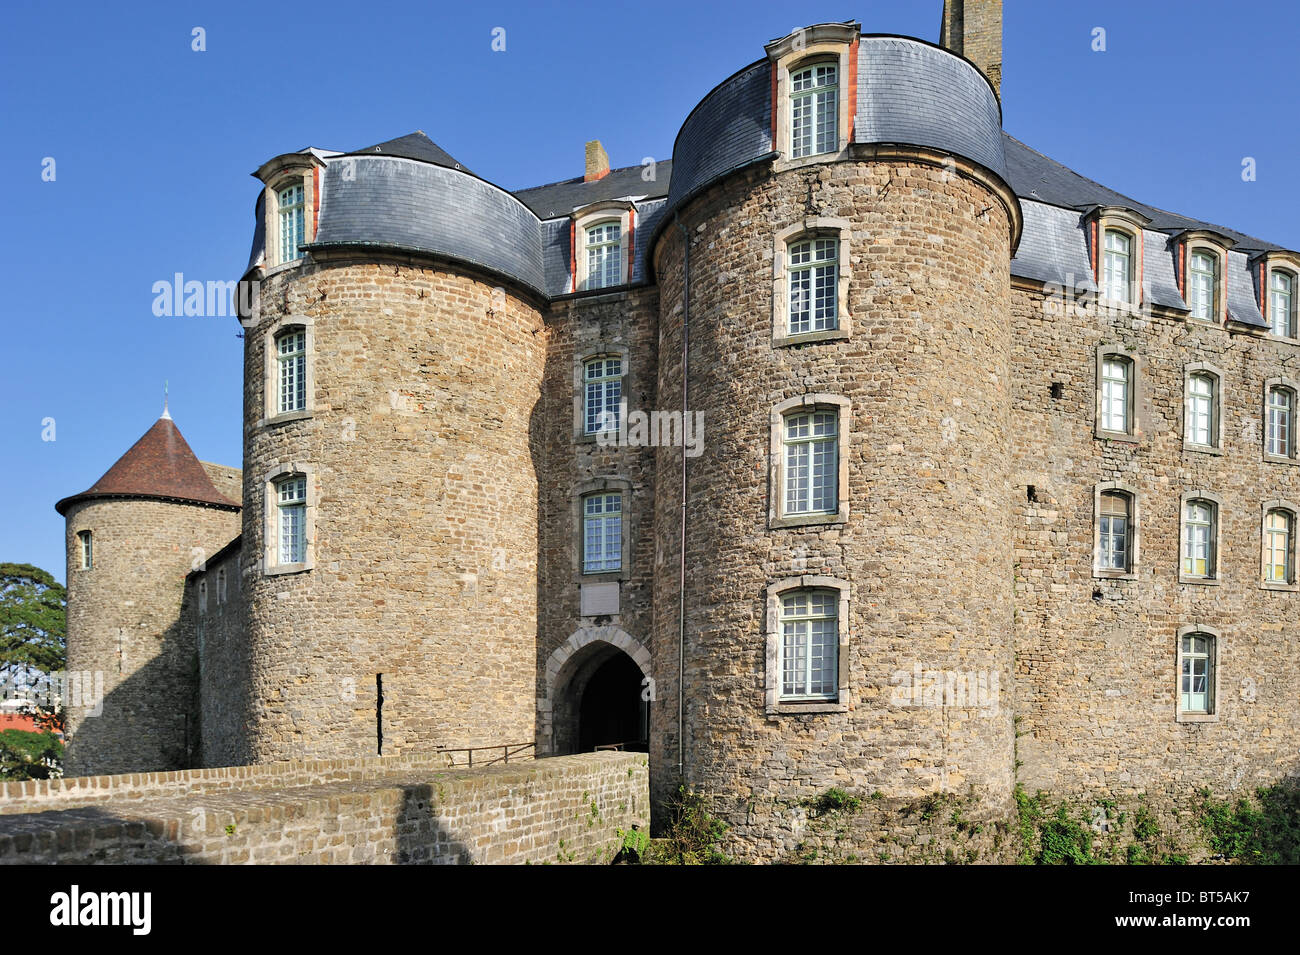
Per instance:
x=602, y=533
x=814, y=110
x=1200, y=409
x=1117, y=270
x=811, y=463
x=1115, y=395
x=810, y=644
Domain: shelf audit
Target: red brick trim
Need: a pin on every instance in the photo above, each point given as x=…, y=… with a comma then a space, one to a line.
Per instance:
x=631, y=242
x=573, y=255
x=315, y=201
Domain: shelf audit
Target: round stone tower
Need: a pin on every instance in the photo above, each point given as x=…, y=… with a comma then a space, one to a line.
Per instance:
x=848, y=570
x=131, y=540
x=390, y=533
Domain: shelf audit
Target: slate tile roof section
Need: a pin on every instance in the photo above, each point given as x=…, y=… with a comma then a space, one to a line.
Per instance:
x=1034, y=176
x=914, y=93
x=1053, y=248
x=555, y=255
x=160, y=466
x=416, y=145
x=561, y=198
x=418, y=206
x=731, y=127
x=1158, y=278
x=258, y=253
x=1242, y=305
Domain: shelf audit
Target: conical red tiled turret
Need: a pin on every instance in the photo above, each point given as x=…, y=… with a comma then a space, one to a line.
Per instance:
x=160, y=465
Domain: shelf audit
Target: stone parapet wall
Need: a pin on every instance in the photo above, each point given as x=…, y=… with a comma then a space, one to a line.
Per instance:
x=390, y=810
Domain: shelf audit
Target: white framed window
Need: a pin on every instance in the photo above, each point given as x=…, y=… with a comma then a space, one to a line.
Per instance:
x=1196, y=676
x=1203, y=285
x=602, y=532
x=813, y=269
x=1200, y=518
x=811, y=440
x=1115, y=532
x=1279, y=546
x=807, y=637
x=86, y=545
x=602, y=382
x=291, y=203
x=288, y=369
x=809, y=461
x=810, y=641
x=1200, y=416
x=1117, y=270
x=291, y=376
x=1279, y=430
x=291, y=509
x=603, y=247
x=1281, y=303
x=1116, y=394
x=814, y=109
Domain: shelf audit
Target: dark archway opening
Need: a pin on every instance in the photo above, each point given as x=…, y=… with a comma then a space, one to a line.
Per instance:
x=612, y=712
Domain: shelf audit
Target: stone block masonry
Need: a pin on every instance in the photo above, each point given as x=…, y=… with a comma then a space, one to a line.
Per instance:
x=378, y=811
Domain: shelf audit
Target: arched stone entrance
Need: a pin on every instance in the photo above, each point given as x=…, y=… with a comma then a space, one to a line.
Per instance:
x=593, y=688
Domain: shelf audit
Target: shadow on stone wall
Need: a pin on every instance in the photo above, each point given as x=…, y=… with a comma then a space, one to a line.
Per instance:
x=91, y=835
x=149, y=721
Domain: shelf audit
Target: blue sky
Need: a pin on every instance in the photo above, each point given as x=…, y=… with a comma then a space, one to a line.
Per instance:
x=153, y=145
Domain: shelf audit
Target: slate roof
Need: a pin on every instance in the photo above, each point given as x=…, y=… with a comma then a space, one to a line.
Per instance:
x=561, y=198
x=159, y=466
x=416, y=145
x=1034, y=176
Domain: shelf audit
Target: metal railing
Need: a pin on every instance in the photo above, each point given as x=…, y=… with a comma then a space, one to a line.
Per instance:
x=504, y=753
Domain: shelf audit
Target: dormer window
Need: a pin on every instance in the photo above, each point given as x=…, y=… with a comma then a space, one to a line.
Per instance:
x=602, y=238
x=1281, y=303
x=292, y=206
x=1117, y=271
x=1203, y=285
x=814, y=110
x=814, y=81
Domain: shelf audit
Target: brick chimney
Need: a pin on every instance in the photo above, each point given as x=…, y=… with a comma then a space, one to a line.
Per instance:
x=597, y=162
x=973, y=28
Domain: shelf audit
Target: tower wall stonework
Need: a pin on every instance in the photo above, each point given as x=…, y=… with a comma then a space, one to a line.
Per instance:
x=926, y=546
x=422, y=516
x=125, y=622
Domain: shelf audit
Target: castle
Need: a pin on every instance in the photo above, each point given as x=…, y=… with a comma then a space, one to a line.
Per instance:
x=860, y=445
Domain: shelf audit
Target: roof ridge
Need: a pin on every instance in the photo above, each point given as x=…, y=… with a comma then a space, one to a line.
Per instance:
x=577, y=179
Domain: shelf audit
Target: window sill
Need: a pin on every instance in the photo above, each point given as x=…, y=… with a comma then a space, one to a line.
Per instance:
x=277, y=569
x=808, y=338
x=1200, y=581
x=610, y=438
x=809, y=520
x=1099, y=574
x=1103, y=435
x=1281, y=588
x=283, y=266
x=1202, y=449
x=284, y=418
x=1278, y=459
x=1197, y=718
x=604, y=577
x=1283, y=339
x=793, y=708
x=784, y=162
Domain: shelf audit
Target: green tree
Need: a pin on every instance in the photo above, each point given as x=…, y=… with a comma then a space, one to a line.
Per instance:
x=33, y=623
x=27, y=755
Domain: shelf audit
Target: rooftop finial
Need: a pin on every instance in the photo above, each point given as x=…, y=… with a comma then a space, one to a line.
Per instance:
x=166, y=414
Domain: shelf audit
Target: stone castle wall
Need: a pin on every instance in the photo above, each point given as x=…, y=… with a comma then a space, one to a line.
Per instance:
x=125, y=626
x=622, y=324
x=218, y=611
x=421, y=452
x=1097, y=658
x=925, y=370
x=389, y=810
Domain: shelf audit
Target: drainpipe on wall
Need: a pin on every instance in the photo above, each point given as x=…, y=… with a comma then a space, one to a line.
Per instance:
x=681, y=581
